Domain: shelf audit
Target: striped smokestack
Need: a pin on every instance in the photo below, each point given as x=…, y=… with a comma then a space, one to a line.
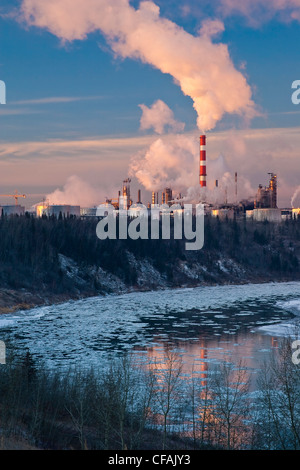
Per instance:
x=203, y=161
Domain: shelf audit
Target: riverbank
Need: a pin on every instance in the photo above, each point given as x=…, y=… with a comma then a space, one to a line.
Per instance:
x=12, y=300
x=59, y=260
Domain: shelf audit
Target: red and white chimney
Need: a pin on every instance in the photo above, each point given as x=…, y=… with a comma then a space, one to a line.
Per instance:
x=203, y=161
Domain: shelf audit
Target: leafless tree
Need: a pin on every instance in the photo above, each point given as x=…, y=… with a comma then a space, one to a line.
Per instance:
x=229, y=405
x=278, y=423
x=168, y=372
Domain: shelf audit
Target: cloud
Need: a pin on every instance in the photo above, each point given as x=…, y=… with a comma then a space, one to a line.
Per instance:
x=212, y=28
x=117, y=147
x=202, y=68
x=158, y=117
x=54, y=100
x=258, y=11
x=76, y=192
x=16, y=112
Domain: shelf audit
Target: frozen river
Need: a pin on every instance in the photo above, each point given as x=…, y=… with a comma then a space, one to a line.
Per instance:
x=205, y=324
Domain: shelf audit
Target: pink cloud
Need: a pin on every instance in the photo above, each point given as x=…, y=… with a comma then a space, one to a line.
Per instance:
x=258, y=11
x=203, y=69
x=159, y=117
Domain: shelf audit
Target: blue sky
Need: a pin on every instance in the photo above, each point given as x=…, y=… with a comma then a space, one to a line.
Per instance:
x=59, y=94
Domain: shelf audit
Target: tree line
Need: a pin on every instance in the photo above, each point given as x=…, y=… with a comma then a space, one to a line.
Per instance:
x=30, y=249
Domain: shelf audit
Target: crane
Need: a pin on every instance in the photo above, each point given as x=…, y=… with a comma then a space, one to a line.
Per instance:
x=16, y=196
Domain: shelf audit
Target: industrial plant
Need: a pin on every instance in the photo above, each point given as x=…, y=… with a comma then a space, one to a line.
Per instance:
x=261, y=207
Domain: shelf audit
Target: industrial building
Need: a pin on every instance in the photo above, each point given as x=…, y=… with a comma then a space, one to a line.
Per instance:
x=125, y=200
x=296, y=213
x=88, y=211
x=167, y=196
x=262, y=207
x=286, y=214
x=262, y=215
x=12, y=210
x=265, y=203
x=223, y=213
x=63, y=210
x=266, y=197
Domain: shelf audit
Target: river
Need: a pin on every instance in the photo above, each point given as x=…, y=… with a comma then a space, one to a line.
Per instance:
x=205, y=325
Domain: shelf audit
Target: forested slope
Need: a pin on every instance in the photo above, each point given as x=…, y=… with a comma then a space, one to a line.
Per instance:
x=49, y=259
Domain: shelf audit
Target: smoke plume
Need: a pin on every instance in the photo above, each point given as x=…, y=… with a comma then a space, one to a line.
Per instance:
x=201, y=67
x=75, y=192
x=159, y=117
x=174, y=162
x=166, y=163
x=295, y=202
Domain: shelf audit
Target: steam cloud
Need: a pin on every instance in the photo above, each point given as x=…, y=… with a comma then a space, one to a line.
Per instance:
x=159, y=117
x=75, y=192
x=175, y=163
x=294, y=199
x=202, y=68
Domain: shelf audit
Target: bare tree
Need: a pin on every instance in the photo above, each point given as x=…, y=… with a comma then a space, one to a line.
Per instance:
x=168, y=373
x=278, y=423
x=124, y=402
x=229, y=388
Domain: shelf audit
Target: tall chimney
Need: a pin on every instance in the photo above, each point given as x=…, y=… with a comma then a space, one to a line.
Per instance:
x=139, y=197
x=153, y=197
x=203, y=161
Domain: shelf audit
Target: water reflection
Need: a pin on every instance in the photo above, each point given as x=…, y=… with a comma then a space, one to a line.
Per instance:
x=199, y=356
x=206, y=325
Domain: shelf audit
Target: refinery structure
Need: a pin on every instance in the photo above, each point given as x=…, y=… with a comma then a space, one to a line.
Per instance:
x=261, y=207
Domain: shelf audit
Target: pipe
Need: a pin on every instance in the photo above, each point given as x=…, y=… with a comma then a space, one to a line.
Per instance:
x=153, y=197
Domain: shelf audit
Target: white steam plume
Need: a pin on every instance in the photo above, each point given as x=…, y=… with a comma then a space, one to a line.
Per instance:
x=159, y=117
x=174, y=162
x=202, y=68
x=294, y=199
x=166, y=163
x=75, y=192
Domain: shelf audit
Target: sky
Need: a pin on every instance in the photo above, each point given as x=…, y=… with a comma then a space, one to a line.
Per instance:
x=98, y=91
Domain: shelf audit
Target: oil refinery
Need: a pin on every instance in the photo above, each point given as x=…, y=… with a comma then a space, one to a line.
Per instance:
x=261, y=207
